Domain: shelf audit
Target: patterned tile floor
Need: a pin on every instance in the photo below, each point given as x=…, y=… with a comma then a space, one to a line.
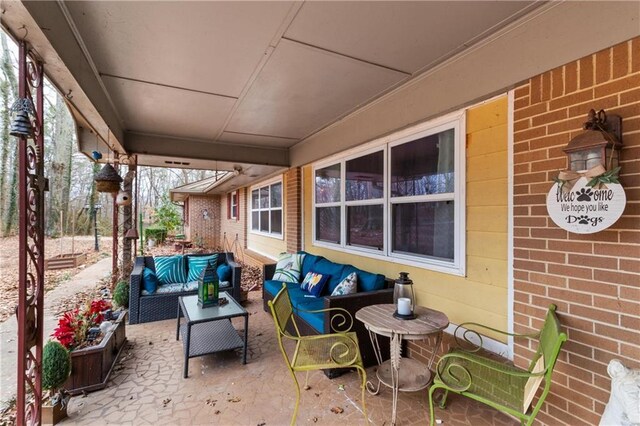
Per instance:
x=147, y=387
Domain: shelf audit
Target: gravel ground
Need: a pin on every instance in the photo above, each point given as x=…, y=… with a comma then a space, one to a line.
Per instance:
x=53, y=247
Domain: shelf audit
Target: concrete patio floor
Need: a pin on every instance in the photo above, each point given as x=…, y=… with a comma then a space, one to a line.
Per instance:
x=147, y=387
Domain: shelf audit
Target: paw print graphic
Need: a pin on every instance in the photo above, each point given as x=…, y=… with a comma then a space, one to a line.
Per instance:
x=583, y=220
x=584, y=194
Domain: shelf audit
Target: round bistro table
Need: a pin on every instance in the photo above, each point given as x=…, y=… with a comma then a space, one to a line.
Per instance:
x=398, y=373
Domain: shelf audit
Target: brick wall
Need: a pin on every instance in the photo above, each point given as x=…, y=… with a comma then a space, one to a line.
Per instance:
x=293, y=206
x=592, y=278
x=201, y=230
x=233, y=227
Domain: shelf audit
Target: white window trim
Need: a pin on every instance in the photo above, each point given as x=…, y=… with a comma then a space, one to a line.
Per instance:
x=457, y=121
x=274, y=235
x=235, y=194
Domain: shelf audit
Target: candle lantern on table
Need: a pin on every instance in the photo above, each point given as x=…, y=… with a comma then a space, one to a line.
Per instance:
x=404, y=297
x=208, y=286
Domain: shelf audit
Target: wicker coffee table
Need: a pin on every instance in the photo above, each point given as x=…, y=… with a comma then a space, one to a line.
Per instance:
x=209, y=330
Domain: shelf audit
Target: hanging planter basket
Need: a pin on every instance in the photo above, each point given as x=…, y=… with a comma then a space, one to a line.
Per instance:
x=108, y=180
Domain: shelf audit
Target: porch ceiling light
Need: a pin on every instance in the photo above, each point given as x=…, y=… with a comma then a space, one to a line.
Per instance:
x=598, y=145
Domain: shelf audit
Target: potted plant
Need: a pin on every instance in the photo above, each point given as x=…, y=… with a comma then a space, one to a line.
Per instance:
x=121, y=294
x=56, y=367
x=95, y=337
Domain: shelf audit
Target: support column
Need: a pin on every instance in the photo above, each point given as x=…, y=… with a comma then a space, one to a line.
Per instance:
x=115, y=270
x=128, y=223
x=32, y=185
x=293, y=209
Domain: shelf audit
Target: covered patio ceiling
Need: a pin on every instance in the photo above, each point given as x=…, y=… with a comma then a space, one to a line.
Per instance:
x=260, y=85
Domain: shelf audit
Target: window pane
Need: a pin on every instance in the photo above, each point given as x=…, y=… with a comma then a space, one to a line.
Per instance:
x=255, y=199
x=276, y=221
x=328, y=184
x=328, y=224
x=264, y=221
x=234, y=211
x=424, y=166
x=364, y=180
x=255, y=220
x=425, y=229
x=264, y=198
x=276, y=195
x=365, y=226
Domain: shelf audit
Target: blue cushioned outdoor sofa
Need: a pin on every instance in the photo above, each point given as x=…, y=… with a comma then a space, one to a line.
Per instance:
x=162, y=304
x=372, y=289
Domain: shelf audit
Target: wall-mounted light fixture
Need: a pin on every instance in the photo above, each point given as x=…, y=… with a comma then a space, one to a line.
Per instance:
x=598, y=144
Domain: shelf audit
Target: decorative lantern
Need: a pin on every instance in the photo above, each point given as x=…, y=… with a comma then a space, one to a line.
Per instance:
x=108, y=180
x=208, y=286
x=598, y=145
x=404, y=297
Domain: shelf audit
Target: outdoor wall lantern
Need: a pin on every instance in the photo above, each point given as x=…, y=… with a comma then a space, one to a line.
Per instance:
x=598, y=145
x=404, y=297
x=588, y=197
x=208, y=287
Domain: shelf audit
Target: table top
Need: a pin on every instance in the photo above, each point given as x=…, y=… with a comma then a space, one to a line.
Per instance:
x=380, y=320
x=194, y=314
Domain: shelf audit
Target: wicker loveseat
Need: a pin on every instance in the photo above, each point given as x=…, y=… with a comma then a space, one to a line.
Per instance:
x=161, y=306
x=378, y=290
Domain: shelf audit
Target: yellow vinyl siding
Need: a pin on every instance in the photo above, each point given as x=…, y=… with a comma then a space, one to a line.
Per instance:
x=268, y=246
x=481, y=296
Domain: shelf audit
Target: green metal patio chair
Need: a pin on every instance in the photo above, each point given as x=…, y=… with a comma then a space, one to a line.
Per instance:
x=504, y=387
x=318, y=352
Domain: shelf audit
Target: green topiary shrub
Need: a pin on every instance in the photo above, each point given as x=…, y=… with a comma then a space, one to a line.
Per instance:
x=155, y=233
x=56, y=365
x=121, y=294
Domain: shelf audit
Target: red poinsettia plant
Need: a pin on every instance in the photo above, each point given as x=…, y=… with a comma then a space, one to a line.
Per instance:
x=73, y=325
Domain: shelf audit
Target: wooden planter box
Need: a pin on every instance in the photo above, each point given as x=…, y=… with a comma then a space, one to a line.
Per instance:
x=64, y=261
x=92, y=366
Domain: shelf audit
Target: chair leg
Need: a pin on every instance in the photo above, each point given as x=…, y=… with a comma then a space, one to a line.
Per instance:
x=443, y=401
x=295, y=410
x=363, y=376
x=432, y=413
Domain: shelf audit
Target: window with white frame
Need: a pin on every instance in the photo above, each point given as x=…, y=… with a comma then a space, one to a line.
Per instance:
x=402, y=199
x=266, y=209
x=233, y=205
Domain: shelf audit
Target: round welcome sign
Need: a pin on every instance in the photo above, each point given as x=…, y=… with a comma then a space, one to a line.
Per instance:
x=585, y=210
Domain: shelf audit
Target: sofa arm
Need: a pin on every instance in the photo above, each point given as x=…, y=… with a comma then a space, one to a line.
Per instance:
x=236, y=278
x=135, y=289
x=268, y=271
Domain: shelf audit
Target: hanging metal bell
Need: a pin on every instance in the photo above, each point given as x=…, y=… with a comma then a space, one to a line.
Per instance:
x=21, y=125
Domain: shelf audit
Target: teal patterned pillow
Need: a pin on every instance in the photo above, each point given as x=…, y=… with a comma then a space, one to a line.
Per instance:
x=198, y=263
x=288, y=268
x=349, y=285
x=170, y=269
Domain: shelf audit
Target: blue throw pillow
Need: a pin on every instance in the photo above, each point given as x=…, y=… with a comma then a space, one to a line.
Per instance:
x=198, y=263
x=314, y=283
x=224, y=272
x=150, y=281
x=170, y=269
